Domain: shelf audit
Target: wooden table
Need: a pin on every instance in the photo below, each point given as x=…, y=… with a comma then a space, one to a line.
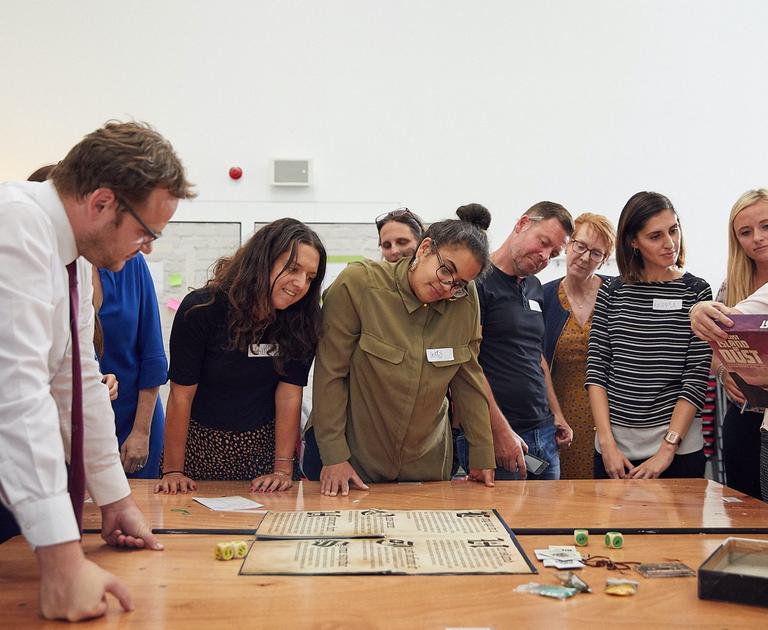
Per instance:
x=185, y=587
x=527, y=506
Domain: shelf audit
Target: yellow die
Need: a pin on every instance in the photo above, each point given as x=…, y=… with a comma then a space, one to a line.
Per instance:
x=225, y=551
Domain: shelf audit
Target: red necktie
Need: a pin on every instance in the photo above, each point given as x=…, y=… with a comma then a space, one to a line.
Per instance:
x=76, y=480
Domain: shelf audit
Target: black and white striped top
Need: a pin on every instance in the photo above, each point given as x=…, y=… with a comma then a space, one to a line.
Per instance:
x=642, y=350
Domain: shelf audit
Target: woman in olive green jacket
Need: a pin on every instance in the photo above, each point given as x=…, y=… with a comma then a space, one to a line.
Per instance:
x=395, y=339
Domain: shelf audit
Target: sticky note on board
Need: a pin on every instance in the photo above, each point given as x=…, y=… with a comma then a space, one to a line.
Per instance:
x=173, y=304
x=174, y=279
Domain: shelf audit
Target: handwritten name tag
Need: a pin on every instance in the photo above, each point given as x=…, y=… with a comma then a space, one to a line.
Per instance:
x=534, y=305
x=667, y=305
x=263, y=350
x=439, y=354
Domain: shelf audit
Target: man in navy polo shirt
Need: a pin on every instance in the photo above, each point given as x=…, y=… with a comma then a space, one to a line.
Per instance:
x=525, y=413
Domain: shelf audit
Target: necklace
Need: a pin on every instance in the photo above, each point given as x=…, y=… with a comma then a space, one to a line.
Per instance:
x=586, y=298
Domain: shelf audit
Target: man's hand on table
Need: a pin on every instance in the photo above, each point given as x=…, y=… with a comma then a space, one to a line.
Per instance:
x=123, y=525
x=74, y=588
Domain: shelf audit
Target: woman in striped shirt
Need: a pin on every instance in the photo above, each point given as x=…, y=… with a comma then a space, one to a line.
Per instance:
x=646, y=372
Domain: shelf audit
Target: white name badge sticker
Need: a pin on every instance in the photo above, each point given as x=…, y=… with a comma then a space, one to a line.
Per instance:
x=439, y=354
x=534, y=305
x=263, y=350
x=667, y=305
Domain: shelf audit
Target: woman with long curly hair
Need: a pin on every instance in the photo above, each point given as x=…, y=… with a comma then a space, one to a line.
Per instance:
x=241, y=348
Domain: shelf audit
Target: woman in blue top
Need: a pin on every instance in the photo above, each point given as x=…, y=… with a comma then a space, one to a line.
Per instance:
x=133, y=351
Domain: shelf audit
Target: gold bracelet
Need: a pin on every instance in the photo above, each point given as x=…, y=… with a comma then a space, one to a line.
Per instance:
x=280, y=472
x=283, y=459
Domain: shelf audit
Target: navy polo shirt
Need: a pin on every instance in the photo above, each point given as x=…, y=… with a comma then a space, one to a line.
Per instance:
x=512, y=346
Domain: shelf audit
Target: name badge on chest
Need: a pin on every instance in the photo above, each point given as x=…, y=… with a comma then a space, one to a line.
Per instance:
x=667, y=305
x=435, y=355
x=263, y=350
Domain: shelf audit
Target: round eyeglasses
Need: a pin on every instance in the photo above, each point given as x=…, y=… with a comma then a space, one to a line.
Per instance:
x=445, y=276
x=597, y=255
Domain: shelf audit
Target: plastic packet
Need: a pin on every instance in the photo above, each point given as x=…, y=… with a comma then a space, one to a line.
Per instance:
x=547, y=590
x=622, y=587
x=572, y=580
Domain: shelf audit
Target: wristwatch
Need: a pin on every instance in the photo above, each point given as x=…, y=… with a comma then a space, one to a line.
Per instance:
x=673, y=438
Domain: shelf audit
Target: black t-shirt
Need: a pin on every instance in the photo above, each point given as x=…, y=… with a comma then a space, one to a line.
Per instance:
x=235, y=390
x=513, y=342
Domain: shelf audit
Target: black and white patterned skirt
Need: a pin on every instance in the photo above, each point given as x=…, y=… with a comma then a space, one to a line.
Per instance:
x=229, y=455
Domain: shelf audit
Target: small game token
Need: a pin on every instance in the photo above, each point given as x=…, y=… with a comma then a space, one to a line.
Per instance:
x=225, y=551
x=241, y=548
x=581, y=537
x=614, y=540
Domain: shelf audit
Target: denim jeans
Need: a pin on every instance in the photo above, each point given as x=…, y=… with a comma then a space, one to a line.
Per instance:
x=540, y=441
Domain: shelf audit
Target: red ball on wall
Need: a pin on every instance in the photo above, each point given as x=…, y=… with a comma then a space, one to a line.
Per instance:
x=235, y=172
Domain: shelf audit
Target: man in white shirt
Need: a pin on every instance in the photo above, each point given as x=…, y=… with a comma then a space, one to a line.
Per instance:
x=108, y=199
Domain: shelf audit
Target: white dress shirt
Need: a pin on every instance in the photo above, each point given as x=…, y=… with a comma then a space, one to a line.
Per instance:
x=36, y=244
x=756, y=304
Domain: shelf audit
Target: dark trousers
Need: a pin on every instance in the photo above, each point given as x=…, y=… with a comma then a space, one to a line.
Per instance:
x=690, y=465
x=311, y=464
x=8, y=526
x=764, y=464
x=741, y=450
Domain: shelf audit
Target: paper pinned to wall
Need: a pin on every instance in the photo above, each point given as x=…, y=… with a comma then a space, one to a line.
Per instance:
x=175, y=280
x=173, y=304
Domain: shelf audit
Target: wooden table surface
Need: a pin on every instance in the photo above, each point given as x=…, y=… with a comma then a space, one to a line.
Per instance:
x=184, y=587
x=530, y=505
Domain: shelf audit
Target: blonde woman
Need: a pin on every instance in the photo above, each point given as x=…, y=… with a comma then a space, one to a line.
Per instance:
x=747, y=272
x=568, y=306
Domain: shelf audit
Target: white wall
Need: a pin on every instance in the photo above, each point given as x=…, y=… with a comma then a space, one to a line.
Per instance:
x=425, y=103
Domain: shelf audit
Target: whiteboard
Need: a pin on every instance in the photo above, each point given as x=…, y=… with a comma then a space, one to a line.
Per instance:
x=344, y=242
x=181, y=260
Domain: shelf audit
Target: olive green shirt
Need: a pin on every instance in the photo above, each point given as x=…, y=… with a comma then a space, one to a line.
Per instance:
x=377, y=399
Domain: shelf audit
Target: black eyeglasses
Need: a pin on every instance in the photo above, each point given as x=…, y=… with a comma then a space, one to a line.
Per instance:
x=444, y=275
x=597, y=255
x=151, y=235
x=395, y=214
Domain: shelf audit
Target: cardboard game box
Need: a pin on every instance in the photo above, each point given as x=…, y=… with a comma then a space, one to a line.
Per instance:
x=737, y=571
x=745, y=356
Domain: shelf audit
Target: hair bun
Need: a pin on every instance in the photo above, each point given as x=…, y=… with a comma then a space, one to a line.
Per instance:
x=476, y=214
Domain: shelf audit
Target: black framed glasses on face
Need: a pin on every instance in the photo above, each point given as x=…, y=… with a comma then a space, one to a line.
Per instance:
x=150, y=235
x=596, y=255
x=445, y=276
x=400, y=212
